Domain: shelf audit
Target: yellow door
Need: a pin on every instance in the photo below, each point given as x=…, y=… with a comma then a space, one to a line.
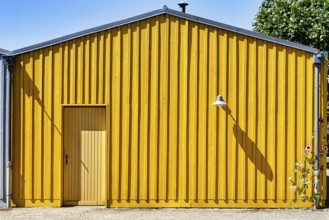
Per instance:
x=84, y=155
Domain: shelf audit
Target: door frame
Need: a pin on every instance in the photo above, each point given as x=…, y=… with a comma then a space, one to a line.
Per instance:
x=107, y=115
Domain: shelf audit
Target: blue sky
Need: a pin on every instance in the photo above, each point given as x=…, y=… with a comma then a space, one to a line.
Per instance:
x=27, y=22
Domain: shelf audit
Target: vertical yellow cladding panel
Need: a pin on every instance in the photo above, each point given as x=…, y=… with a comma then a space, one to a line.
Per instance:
x=251, y=115
x=282, y=124
x=144, y=107
x=27, y=121
x=154, y=106
x=222, y=118
x=37, y=163
x=271, y=124
x=232, y=108
x=126, y=33
x=291, y=110
x=202, y=117
x=211, y=162
x=48, y=127
x=72, y=53
x=183, y=112
x=94, y=68
x=193, y=111
x=173, y=108
x=116, y=115
x=241, y=129
x=56, y=122
x=84, y=147
x=168, y=146
x=163, y=109
x=259, y=146
x=134, y=126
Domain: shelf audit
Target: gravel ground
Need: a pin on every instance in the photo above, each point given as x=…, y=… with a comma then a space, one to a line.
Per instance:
x=89, y=212
x=96, y=212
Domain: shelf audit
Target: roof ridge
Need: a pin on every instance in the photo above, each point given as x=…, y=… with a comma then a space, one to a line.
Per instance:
x=5, y=52
x=164, y=10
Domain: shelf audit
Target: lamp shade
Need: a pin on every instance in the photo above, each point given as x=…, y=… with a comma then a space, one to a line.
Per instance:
x=219, y=101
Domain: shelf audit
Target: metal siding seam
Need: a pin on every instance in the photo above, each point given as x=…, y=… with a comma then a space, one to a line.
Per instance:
x=79, y=68
x=172, y=114
x=192, y=185
x=135, y=113
x=211, y=129
x=116, y=120
x=87, y=70
x=291, y=110
x=252, y=113
x=241, y=133
x=48, y=126
x=202, y=113
x=101, y=68
x=223, y=115
x=144, y=112
x=27, y=128
x=300, y=105
x=154, y=103
x=37, y=129
x=183, y=113
x=271, y=165
x=52, y=115
x=72, y=69
x=125, y=116
x=163, y=108
x=282, y=118
x=232, y=101
x=94, y=70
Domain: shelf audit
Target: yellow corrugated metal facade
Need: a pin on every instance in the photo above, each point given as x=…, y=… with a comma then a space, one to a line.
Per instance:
x=166, y=145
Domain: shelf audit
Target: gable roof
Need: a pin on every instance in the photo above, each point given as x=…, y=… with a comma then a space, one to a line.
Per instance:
x=4, y=52
x=165, y=10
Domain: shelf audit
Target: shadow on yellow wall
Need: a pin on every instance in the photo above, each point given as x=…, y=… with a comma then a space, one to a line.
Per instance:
x=251, y=149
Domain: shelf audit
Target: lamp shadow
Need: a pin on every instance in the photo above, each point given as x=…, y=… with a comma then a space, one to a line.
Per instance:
x=28, y=95
x=251, y=149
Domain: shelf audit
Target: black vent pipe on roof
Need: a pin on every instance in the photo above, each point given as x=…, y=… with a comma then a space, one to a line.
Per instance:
x=183, y=5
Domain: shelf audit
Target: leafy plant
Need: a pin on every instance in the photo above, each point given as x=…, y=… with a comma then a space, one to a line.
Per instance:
x=305, y=171
x=300, y=21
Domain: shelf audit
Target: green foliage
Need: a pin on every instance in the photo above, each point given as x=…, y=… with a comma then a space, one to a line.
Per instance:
x=305, y=170
x=301, y=21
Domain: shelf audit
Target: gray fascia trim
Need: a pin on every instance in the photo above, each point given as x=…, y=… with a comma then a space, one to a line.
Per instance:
x=5, y=52
x=242, y=31
x=89, y=31
x=165, y=10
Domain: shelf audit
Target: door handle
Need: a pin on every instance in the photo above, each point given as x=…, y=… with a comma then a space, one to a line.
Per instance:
x=66, y=159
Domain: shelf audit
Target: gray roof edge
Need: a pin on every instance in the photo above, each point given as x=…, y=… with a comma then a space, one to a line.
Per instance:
x=89, y=31
x=5, y=52
x=242, y=31
x=164, y=10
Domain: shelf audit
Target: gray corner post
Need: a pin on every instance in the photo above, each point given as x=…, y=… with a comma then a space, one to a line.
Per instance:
x=317, y=61
x=8, y=63
x=2, y=143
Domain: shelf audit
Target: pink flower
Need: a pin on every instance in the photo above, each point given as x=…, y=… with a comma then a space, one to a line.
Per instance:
x=321, y=120
x=325, y=148
x=307, y=148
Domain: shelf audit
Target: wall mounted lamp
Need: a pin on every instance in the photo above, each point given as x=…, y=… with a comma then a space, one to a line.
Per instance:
x=219, y=101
